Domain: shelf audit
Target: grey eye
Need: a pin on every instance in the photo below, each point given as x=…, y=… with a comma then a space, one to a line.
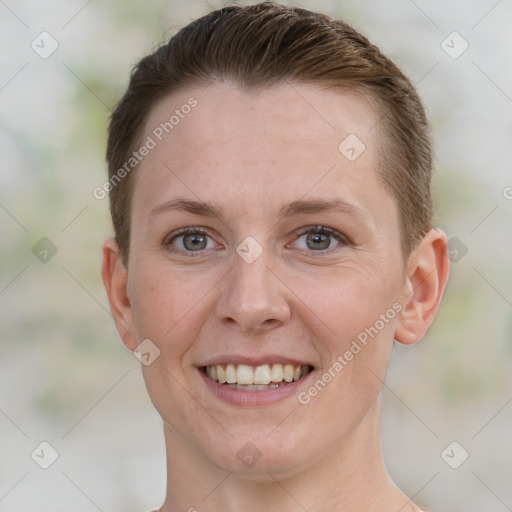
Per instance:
x=195, y=242
x=318, y=241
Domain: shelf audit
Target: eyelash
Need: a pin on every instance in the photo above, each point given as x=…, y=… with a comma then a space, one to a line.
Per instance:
x=184, y=232
x=342, y=239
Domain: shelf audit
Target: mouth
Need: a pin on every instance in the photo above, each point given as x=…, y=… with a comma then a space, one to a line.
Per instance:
x=263, y=377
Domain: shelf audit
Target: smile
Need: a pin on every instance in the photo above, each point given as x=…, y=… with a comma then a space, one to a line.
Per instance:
x=256, y=378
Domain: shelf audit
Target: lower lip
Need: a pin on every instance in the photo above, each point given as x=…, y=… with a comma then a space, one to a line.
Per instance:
x=253, y=398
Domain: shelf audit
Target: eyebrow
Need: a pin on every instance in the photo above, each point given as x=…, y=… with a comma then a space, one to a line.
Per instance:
x=295, y=208
x=189, y=206
x=312, y=206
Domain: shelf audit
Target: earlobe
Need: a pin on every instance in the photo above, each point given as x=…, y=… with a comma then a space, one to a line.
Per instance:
x=428, y=270
x=115, y=280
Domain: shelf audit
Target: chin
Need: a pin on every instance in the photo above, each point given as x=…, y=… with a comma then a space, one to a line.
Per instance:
x=254, y=453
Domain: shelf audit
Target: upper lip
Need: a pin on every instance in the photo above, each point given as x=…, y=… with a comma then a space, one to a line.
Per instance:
x=254, y=361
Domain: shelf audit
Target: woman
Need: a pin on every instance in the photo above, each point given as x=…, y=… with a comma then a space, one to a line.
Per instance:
x=269, y=182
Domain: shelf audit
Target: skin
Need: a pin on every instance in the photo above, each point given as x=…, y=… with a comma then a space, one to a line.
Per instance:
x=251, y=154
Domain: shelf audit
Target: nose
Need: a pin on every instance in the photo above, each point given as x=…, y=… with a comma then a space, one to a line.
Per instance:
x=253, y=298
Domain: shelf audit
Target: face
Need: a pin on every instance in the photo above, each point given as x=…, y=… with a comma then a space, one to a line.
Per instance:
x=257, y=239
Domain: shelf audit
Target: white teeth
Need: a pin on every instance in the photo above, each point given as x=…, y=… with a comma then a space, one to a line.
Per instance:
x=277, y=373
x=230, y=373
x=247, y=377
x=244, y=374
x=254, y=387
x=262, y=375
x=288, y=372
x=221, y=374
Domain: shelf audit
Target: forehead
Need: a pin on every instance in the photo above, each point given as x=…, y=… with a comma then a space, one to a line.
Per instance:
x=294, y=114
x=269, y=147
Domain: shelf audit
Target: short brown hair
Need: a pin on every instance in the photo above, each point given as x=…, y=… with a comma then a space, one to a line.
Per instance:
x=258, y=46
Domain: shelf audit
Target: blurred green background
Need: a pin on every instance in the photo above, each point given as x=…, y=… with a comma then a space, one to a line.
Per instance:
x=65, y=377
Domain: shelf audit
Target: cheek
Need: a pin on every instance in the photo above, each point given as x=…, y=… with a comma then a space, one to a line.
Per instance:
x=345, y=305
x=168, y=307
x=353, y=315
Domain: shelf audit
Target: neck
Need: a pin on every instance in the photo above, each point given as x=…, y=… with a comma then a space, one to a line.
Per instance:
x=350, y=478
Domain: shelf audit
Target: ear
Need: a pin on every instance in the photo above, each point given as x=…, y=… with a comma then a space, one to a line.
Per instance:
x=428, y=268
x=115, y=280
